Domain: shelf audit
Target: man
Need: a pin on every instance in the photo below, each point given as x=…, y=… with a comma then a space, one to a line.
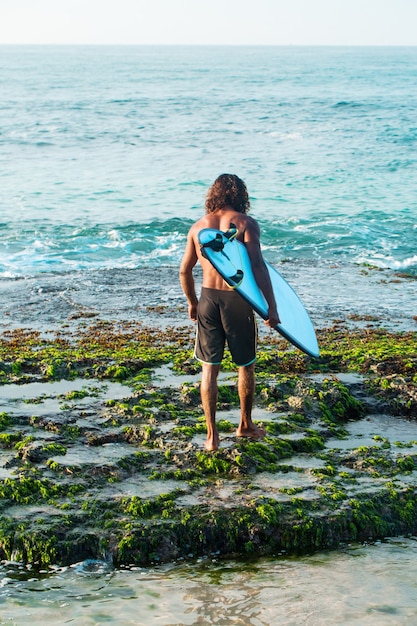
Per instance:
x=222, y=315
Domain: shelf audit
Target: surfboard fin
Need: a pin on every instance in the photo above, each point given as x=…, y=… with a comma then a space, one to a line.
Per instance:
x=215, y=244
x=231, y=232
x=236, y=279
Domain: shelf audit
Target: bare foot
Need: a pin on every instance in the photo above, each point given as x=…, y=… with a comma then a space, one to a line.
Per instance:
x=252, y=431
x=212, y=443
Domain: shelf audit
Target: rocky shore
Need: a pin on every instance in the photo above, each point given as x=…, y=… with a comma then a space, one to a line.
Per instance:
x=102, y=457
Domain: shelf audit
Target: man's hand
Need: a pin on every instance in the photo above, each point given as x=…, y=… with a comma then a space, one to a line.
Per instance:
x=192, y=312
x=273, y=318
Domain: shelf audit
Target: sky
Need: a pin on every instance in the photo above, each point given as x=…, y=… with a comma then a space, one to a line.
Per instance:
x=217, y=22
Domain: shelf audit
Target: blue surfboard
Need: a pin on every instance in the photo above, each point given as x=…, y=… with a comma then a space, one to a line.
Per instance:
x=230, y=258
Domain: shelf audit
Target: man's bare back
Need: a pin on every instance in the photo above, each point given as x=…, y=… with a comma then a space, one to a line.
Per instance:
x=221, y=220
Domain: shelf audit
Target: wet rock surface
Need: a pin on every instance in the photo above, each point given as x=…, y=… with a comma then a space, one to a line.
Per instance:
x=102, y=446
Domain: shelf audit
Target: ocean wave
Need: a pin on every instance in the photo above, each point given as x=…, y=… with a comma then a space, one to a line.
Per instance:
x=350, y=104
x=43, y=247
x=408, y=264
x=369, y=237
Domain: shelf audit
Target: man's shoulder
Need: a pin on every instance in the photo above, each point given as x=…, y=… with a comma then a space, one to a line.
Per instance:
x=197, y=223
x=196, y=227
x=249, y=223
x=250, y=220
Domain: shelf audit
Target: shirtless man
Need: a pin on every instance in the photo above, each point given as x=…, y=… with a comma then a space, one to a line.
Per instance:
x=222, y=314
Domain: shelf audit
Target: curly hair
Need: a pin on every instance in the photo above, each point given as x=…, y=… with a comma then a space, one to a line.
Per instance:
x=228, y=190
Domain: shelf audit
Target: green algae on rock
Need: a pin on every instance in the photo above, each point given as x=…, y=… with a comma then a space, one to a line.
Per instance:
x=126, y=478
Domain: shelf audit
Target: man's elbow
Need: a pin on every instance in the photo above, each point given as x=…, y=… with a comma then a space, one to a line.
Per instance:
x=184, y=271
x=259, y=267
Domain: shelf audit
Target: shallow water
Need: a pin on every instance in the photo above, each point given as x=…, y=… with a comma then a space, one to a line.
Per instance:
x=369, y=431
x=42, y=398
x=154, y=297
x=360, y=584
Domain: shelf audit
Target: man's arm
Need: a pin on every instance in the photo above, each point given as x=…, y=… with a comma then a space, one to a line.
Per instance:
x=260, y=271
x=186, y=276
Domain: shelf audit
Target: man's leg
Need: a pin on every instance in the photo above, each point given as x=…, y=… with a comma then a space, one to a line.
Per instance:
x=208, y=390
x=246, y=389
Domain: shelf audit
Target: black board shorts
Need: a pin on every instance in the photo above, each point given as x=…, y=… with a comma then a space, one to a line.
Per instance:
x=224, y=316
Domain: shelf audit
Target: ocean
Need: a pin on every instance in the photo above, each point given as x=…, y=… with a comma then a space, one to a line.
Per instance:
x=106, y=157
x=107, y=152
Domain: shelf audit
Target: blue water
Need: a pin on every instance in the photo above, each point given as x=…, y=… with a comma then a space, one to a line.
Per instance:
x=107, y=152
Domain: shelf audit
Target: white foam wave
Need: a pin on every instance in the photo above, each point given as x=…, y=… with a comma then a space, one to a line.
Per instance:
x=406, y=263
x=286, y=136
x=387, y=262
